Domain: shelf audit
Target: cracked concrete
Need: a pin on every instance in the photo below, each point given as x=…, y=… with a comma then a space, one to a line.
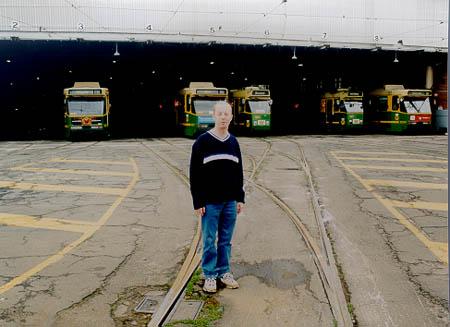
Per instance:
x=378, y=271
x=392, y=279
x=141, y=244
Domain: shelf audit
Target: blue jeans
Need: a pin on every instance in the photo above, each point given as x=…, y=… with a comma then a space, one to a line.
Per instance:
x=218, y=219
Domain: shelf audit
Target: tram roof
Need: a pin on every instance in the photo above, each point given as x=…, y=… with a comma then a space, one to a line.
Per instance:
x=86, y=86
x=204, y=89
x=401, y=91
x=343, y=92
x=252, y=91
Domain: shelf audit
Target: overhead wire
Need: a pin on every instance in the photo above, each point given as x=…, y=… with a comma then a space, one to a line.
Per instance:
x=84, y=14
x=173, y=15
x=266, y=14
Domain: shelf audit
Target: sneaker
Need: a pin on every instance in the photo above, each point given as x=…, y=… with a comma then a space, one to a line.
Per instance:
x=210, y=285
x=228, y=280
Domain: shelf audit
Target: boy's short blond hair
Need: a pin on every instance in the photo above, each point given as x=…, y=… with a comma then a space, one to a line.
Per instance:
x=220, y=104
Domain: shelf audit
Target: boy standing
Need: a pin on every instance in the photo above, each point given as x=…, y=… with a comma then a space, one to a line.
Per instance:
x=216, y=178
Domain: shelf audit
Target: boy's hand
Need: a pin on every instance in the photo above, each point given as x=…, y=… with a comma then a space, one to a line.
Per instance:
x=200, y=212
x=240, y=207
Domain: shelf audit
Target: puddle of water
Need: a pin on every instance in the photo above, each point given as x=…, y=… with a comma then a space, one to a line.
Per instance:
x=283, y=273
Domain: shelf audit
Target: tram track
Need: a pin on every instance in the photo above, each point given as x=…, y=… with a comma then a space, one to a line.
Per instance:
x=193, y=257
x=323, y=256
x=323, y=259
x=190, y=264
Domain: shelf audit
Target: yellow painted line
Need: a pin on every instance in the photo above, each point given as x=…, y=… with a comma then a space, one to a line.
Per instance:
x=414, y=168
x=390, y=182
x=23, y=166
x=75, y=171
x=393, y=159
x=75, y=226
x=439, y=249
x=389, y=153
x=370, y=152
x=100, y=162
x=62, y=188
x=58, y=256
x=440, y=206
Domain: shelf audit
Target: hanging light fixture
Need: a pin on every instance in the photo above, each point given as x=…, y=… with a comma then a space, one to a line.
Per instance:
x=395, y=59
x=116, y=54
x=294, y=57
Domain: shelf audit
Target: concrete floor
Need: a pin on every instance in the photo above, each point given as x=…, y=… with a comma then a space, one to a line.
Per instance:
x=88, y=228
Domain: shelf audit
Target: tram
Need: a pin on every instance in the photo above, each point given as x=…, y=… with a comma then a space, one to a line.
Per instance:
x=252, y=108
x=86, y=109
x=342, y=110
x=396, y=109
x=194, y=109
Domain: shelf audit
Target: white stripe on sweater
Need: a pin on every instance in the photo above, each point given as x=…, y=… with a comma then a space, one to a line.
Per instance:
x=221, y=157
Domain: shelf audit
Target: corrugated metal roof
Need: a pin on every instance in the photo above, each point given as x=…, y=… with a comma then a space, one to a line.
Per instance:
x=394, y=25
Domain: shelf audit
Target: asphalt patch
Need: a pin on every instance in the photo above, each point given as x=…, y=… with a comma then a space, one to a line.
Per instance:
x=282, y=274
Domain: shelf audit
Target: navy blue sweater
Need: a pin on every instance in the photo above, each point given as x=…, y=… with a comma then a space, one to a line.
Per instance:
x=215, y=171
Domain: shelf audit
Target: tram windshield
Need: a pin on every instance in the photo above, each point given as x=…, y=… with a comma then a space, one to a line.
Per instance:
x=416, y=105
x=354, y=106
x=205, y=107
x=86, y=106
x=259, y=107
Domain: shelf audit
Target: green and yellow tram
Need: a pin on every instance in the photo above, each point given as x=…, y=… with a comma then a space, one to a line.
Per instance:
x=252, y=108
x=396, y=109
x=342, y=110
x=194, y=110
x=87, y=109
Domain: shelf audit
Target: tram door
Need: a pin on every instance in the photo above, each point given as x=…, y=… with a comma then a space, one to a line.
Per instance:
x=239, y=108
x=235, y=113
x=329, y=115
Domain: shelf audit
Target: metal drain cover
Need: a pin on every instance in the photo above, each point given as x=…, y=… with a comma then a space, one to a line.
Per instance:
x=185, y=310
x=150, y=302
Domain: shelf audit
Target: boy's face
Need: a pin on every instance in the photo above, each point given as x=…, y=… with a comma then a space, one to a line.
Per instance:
x=222, y=115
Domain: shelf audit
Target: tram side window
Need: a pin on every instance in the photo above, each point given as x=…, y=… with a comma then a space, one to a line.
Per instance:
x=329, y=107
x=402, y=106
x=235, y=106
x=323, y=105
x=395, y=103
x=188, y=104
x=379, y=104
x=242, y=106
x=341, y=106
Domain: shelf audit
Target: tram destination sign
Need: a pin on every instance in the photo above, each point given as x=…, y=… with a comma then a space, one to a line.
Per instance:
x=85, y=92
x=260, y=92
x=424, y=93
x=211, y=91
